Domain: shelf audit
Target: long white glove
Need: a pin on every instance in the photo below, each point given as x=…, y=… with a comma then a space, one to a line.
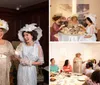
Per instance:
x=25, y=62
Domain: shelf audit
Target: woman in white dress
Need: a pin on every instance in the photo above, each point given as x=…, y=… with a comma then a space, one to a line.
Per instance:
x=30, y=54
x=90, y=29
x=6, y=52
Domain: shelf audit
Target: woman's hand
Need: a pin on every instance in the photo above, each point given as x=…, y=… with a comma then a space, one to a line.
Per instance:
x=25, y=62
x=17, y=58
x=87, y=36
x=36, y=63
x=83, y=28
x=13, y=58
x=62, y=26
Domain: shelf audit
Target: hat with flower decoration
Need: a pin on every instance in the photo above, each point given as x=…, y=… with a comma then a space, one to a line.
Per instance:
x=4, y=25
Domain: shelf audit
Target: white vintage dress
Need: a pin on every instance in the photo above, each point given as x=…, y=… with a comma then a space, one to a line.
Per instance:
x=27, y=75
x=6, y=51
x=90, y=31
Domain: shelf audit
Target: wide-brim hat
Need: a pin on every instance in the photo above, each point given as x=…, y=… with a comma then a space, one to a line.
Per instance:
x=29, y=28
x=92, y=17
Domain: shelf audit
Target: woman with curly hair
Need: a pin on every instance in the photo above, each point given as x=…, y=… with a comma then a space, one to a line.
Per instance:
x=29, y=53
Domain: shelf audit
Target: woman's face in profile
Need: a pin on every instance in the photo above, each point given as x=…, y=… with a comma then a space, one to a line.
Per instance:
x=88, y=22
x=58, y=21
x=1, y=33
x=74, y=20
x=53, y=61
x=28, y=37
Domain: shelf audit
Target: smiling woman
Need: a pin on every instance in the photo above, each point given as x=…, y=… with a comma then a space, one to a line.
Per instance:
x=6, y=50
x=29, y=54
x=29, y=36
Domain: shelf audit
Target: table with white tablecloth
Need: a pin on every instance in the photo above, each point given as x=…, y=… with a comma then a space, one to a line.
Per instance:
x=65, y=79
x=68, y=37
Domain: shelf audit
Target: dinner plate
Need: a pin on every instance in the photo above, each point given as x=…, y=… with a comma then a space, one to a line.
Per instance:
x=78, y=74
x=81, y=79
x=53, y=74
x=52, y=79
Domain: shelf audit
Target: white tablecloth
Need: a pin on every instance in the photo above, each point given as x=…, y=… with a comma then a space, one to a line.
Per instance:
x=65, y=37
x=64, y=80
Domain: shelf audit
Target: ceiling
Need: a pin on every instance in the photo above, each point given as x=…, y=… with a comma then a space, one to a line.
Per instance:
x=14, y=4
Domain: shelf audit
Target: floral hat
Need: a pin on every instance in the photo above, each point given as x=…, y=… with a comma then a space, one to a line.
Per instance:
x=4, y=25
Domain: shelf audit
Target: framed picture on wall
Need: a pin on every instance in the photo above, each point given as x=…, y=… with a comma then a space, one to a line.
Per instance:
x=60, y=8
x=82, y=11
x=65, y=9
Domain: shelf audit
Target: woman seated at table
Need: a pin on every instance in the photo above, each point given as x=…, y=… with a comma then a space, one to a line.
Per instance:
x=53, y=67
x=73, y=21
x=90, y=29
x=56, y=27
x=94, y=80
x=89, y=69
x=67, y=67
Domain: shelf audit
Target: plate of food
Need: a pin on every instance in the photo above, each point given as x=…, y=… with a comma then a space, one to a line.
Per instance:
x=68, y=75
x=78, y=74
x=81, y=78
x=53, y=74
x=52, y=79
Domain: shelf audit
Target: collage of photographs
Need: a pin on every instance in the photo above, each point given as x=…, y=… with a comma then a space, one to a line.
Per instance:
x=74, y=53
x=49, y=42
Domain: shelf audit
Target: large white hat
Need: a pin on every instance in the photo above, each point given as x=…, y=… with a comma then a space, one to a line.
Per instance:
x=4, y=25
x=30, y=28
x=93, y=18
